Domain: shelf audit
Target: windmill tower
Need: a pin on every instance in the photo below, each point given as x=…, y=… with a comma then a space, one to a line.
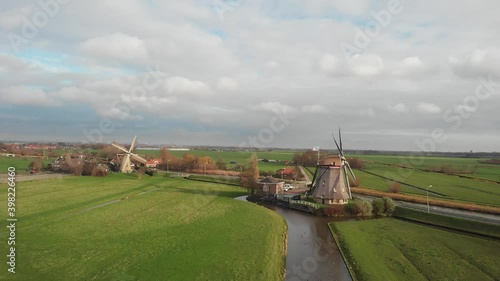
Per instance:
x=330, y=184
x=126, y=166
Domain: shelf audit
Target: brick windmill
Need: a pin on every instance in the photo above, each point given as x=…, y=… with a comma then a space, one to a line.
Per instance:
x=330, y=184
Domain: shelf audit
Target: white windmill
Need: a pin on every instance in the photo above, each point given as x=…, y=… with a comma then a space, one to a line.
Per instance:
x=126, y=166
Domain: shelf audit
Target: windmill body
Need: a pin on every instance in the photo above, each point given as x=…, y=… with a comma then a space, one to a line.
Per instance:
x=330, y=184
x=126, y=164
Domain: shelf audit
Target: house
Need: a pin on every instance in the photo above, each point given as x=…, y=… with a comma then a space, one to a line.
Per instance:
x=287, y=172
x=153, y=163
x=270, y=185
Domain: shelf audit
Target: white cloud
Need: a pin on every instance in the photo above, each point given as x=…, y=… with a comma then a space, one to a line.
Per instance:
x=428, y=108
x=227, y=84
x=330, y=64
x=9, y=63
x=273, y=107
x=479, y=62
x=117, y=46
x=413, y=67
x=317, y=108
x=366, y=64
x=180, y=85
x=22, y=95
x=399, y=107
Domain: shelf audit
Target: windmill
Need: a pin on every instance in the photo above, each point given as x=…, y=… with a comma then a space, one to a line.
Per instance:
x=126, y=166
x=330, y=184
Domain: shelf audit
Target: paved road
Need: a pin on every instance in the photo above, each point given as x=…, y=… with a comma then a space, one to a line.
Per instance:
x=489, y=218
x=308, y=180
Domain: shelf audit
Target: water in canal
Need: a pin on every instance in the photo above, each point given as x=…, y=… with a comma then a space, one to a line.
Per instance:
x=312, y=252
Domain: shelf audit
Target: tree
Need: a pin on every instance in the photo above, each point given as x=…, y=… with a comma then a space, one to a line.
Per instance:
x=221, y=165
x=362, y=208
x=389, y=206
x=395, y=187
x=250, y=175
x=36, y=165
x=308, y=158
x=356, y=163
x=109, y=152
x=190, y=161
x=378, y=206
x=165, y=155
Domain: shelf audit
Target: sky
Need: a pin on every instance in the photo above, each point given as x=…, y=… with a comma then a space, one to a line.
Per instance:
x=394, y=75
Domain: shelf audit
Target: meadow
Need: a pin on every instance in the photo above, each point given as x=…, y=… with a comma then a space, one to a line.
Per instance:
x=449, y=186
x=391, y=249
x=155, y=228
x=20, y=163
x=241, y=157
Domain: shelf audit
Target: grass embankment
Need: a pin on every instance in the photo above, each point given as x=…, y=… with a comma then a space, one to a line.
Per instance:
x=432, y=201
x=179, y=230
x=453, y=223
x=391, y=249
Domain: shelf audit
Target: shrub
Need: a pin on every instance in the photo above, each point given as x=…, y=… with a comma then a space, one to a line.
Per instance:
x=395, y=187
x=362, y=208
x=378, y=206
x=356, y=163
x=389, y=205
x=354, y=182
x=100, y=172
x=335, y=211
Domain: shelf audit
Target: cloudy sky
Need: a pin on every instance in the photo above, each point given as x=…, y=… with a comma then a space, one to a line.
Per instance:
x=395, y=75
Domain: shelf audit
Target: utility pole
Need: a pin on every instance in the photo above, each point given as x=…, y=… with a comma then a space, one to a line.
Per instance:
x=428, y=209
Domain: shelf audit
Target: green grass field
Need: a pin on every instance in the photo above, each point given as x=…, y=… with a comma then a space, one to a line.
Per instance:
x=390, y=249
x=67, y=229
x=452, y=187
x=20, y=163
x=485, y=171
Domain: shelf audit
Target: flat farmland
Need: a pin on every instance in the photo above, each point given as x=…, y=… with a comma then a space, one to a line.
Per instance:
x=123, y=228
x=390, y=249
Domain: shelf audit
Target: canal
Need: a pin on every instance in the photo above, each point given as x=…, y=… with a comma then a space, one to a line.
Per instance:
x=312, y=251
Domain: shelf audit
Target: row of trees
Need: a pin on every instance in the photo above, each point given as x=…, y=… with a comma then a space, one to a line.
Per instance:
x=362, y=208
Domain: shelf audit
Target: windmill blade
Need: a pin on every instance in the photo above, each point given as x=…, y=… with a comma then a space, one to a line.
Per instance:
x=338, y=147
x=340, y=140
x=350, y=170
x=347, y=181
x=132, y=146
x=120, y=147
x=138, y=158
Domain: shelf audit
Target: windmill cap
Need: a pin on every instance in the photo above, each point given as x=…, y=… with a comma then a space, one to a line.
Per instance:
x=330, y=160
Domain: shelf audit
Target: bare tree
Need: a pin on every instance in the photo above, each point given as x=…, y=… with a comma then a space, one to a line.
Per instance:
x=250, y=175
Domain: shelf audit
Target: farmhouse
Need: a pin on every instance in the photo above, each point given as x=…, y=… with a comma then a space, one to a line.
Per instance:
x=153, y=163
x=270, y=185
x=287, y=172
